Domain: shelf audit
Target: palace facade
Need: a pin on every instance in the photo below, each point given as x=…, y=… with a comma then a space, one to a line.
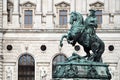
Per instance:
x=30, y=31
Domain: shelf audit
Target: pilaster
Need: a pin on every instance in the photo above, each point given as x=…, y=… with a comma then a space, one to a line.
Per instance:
x=106, y=5
x=1, y=37
x=84, y=6
x=49, y=15
x=117, y=5
x=5, y=13
x=72, y=5
x=38, y=15
x=16, y=14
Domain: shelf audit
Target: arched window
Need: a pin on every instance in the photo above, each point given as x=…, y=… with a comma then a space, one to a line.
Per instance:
x=56, y=59
x=26, y=69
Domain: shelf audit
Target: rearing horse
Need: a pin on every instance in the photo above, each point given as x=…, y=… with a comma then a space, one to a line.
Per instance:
x=77, y=33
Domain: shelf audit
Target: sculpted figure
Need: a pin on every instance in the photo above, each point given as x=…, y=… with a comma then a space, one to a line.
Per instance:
x=9, y=74
x=84, y=34
x=43, y=74
x=91, y=25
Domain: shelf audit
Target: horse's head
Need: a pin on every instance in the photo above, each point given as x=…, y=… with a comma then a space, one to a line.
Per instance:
x=75, y=16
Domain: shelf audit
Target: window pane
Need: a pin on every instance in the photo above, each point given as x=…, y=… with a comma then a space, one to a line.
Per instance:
x=63, y=17
x=26, y=20
x=63, y=12
x=61, y=20
x=59, y=58
x=30, y=20
x=98, y=12
x=99, y=16
x=28, y=12
x=28, y=17
x=65, y=20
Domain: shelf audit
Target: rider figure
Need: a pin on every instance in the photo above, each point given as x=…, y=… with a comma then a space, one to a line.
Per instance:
x=90, y=24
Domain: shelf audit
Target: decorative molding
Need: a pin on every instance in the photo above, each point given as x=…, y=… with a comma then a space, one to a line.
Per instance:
x=53, y=30
x=28, y=4
x=62, y=6
x=9, y=3
x=97, y=5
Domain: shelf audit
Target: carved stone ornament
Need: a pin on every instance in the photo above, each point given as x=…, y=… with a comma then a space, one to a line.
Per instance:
x=62, y=4
x=97, y=5
x=28, y=4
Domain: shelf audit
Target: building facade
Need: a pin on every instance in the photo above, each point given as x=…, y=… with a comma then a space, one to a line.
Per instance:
x=30, y=31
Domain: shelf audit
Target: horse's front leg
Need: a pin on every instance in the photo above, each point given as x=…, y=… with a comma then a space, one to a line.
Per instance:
x=61, y=41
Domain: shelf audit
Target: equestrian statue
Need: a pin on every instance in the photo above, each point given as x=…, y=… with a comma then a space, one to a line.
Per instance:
x=84, y=33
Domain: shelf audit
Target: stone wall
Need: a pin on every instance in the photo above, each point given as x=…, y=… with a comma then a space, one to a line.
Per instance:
x=1, y=54
x=33, y=39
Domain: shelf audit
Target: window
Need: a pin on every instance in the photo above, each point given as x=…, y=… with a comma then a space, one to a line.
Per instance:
x=28, y=18
x=9, y=11
x=99, y=16
x=63, y=17
x=26, y=69
x=58, y=58
x=8, y=15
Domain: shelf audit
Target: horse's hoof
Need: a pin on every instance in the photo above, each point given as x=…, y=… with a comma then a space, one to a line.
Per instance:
x=61, y=45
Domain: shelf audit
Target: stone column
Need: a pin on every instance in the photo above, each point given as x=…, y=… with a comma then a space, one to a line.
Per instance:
x=49, y=15
x=4, y=13
x=38, y=15
x=15, y=20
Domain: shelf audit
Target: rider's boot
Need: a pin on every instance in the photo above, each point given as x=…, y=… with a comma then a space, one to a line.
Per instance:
x=87, y=40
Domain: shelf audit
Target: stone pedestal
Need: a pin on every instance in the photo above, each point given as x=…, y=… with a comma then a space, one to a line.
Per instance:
x=80, y=68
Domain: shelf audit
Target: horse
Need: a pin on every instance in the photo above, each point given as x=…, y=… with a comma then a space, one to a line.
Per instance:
x=77, y=34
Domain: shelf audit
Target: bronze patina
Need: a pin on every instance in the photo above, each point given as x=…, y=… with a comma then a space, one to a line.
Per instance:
x=83, y=32
x=79, y=67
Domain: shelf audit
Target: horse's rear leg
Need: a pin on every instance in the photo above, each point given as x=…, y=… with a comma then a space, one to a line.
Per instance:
x=87, y=50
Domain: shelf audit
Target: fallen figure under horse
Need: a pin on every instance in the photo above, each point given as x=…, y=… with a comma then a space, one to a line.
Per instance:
x=83, y=33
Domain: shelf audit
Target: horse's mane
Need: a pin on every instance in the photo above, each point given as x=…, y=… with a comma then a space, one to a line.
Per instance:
x=79, y=17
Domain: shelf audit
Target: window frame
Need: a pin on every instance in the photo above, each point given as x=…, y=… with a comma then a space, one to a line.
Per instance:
x=27, y=6
x=62, y=6
x=26, y=71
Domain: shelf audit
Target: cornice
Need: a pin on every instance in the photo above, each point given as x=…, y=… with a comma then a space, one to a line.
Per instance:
x=52, y=30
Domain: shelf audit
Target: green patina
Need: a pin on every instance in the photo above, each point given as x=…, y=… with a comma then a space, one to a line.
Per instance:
x=90, y=66
x=83, y=32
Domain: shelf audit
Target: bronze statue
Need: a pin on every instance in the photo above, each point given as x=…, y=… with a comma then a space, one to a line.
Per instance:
x=84, y=34
x=91, y=25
